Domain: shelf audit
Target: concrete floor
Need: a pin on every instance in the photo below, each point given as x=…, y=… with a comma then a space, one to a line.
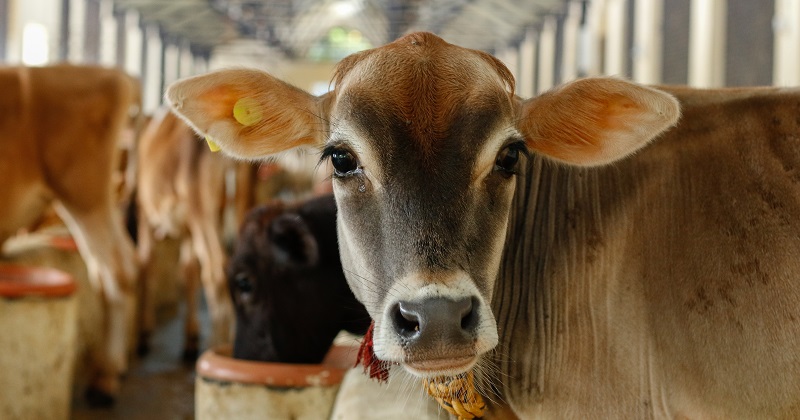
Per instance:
x=157, y=387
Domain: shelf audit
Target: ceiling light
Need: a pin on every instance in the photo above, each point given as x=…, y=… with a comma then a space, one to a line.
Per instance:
x=345, y=8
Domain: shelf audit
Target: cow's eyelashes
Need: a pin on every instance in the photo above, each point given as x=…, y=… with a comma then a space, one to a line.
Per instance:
x=508, y=158
x=343, y=161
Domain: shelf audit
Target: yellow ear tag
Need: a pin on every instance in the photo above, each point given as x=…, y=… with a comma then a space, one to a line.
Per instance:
x=247, y=112
x=211, y=145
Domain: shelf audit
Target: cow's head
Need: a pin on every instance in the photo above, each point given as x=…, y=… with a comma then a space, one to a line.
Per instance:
x=286, y=283
x=425, y=139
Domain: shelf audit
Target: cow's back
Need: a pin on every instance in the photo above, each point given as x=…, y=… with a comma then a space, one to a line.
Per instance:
x=86, y=109
x=667, y=284
x=719, y=258
x=59, y=133
x=19, y=165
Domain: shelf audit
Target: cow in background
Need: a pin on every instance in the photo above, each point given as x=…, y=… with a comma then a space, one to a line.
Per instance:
x=181, y=194
x=60, y=131
x=287, y=285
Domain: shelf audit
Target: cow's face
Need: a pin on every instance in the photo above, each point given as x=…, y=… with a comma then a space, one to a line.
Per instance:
x=425, y=139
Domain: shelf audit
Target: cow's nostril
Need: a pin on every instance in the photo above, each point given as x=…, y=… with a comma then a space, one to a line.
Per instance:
x=406, y=321
x=469, y=315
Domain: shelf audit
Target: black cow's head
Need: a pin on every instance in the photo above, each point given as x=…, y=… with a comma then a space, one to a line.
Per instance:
x=290, y=295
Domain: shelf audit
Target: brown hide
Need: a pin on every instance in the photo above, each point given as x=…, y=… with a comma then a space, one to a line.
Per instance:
x=181, y=193
x=59, y=132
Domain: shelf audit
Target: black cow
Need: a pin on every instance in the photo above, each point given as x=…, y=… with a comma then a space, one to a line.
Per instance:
x=289, y=291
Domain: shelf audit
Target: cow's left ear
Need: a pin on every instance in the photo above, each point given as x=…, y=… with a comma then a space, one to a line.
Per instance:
x=248, y=113
x=292, y=242
x=596, y=121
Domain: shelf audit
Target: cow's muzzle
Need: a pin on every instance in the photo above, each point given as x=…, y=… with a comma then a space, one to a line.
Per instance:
x=437, y=333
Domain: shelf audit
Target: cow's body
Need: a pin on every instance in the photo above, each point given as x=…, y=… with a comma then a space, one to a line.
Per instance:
x=59, y=134
x=659, y=285
x=181, y=193
x=289, y=292
x=668, y=284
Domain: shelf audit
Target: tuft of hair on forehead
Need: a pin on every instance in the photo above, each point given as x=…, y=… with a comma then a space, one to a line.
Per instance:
x=427, y=42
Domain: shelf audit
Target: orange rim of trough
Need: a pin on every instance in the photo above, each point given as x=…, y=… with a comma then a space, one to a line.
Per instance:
x=64, y=243
x=217, y=364
x=18, y=281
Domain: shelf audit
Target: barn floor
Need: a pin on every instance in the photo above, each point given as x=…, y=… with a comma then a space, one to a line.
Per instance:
x=158, y=386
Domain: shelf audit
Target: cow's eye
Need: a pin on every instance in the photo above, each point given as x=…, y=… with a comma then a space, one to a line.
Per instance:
x=243, y=283
x=343, y=161
x=508, y=158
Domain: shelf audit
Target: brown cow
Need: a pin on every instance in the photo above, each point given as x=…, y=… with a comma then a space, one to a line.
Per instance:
x=181, y=193
x=625, y=269
x=59, y=134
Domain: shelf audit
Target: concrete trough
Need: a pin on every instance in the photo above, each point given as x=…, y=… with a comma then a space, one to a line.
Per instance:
x=56, y=249
x=38, y=327
x=228, y=388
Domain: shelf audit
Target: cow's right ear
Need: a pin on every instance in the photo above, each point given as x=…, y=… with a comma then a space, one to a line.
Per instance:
x=248, y=113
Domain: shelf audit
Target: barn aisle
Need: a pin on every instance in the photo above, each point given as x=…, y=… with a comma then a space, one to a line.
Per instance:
x=157, y=387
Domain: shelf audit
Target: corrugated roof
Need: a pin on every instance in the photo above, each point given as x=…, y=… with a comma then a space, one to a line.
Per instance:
x=293, y=26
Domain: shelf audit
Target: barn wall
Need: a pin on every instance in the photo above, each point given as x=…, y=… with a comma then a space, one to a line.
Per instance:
x=42, y=22
x=786, y=68
x=699, y=42
x=675, y=59
x=108, y=32
x=95, y=32
x=748, y=58
x=647, y=41
x=704, y=43
x=527, y=64
x=310, y=76
x=3, y=28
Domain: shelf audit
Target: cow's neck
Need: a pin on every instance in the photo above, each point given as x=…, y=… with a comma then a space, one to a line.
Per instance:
x=553, y=290
x=600, y=264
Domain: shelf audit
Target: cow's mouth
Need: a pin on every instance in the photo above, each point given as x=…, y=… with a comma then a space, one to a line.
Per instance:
x=440, y=367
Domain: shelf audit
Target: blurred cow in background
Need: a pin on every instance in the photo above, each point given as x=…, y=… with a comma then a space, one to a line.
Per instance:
x=181, y=194
x=288, y=288
x=60, y=130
